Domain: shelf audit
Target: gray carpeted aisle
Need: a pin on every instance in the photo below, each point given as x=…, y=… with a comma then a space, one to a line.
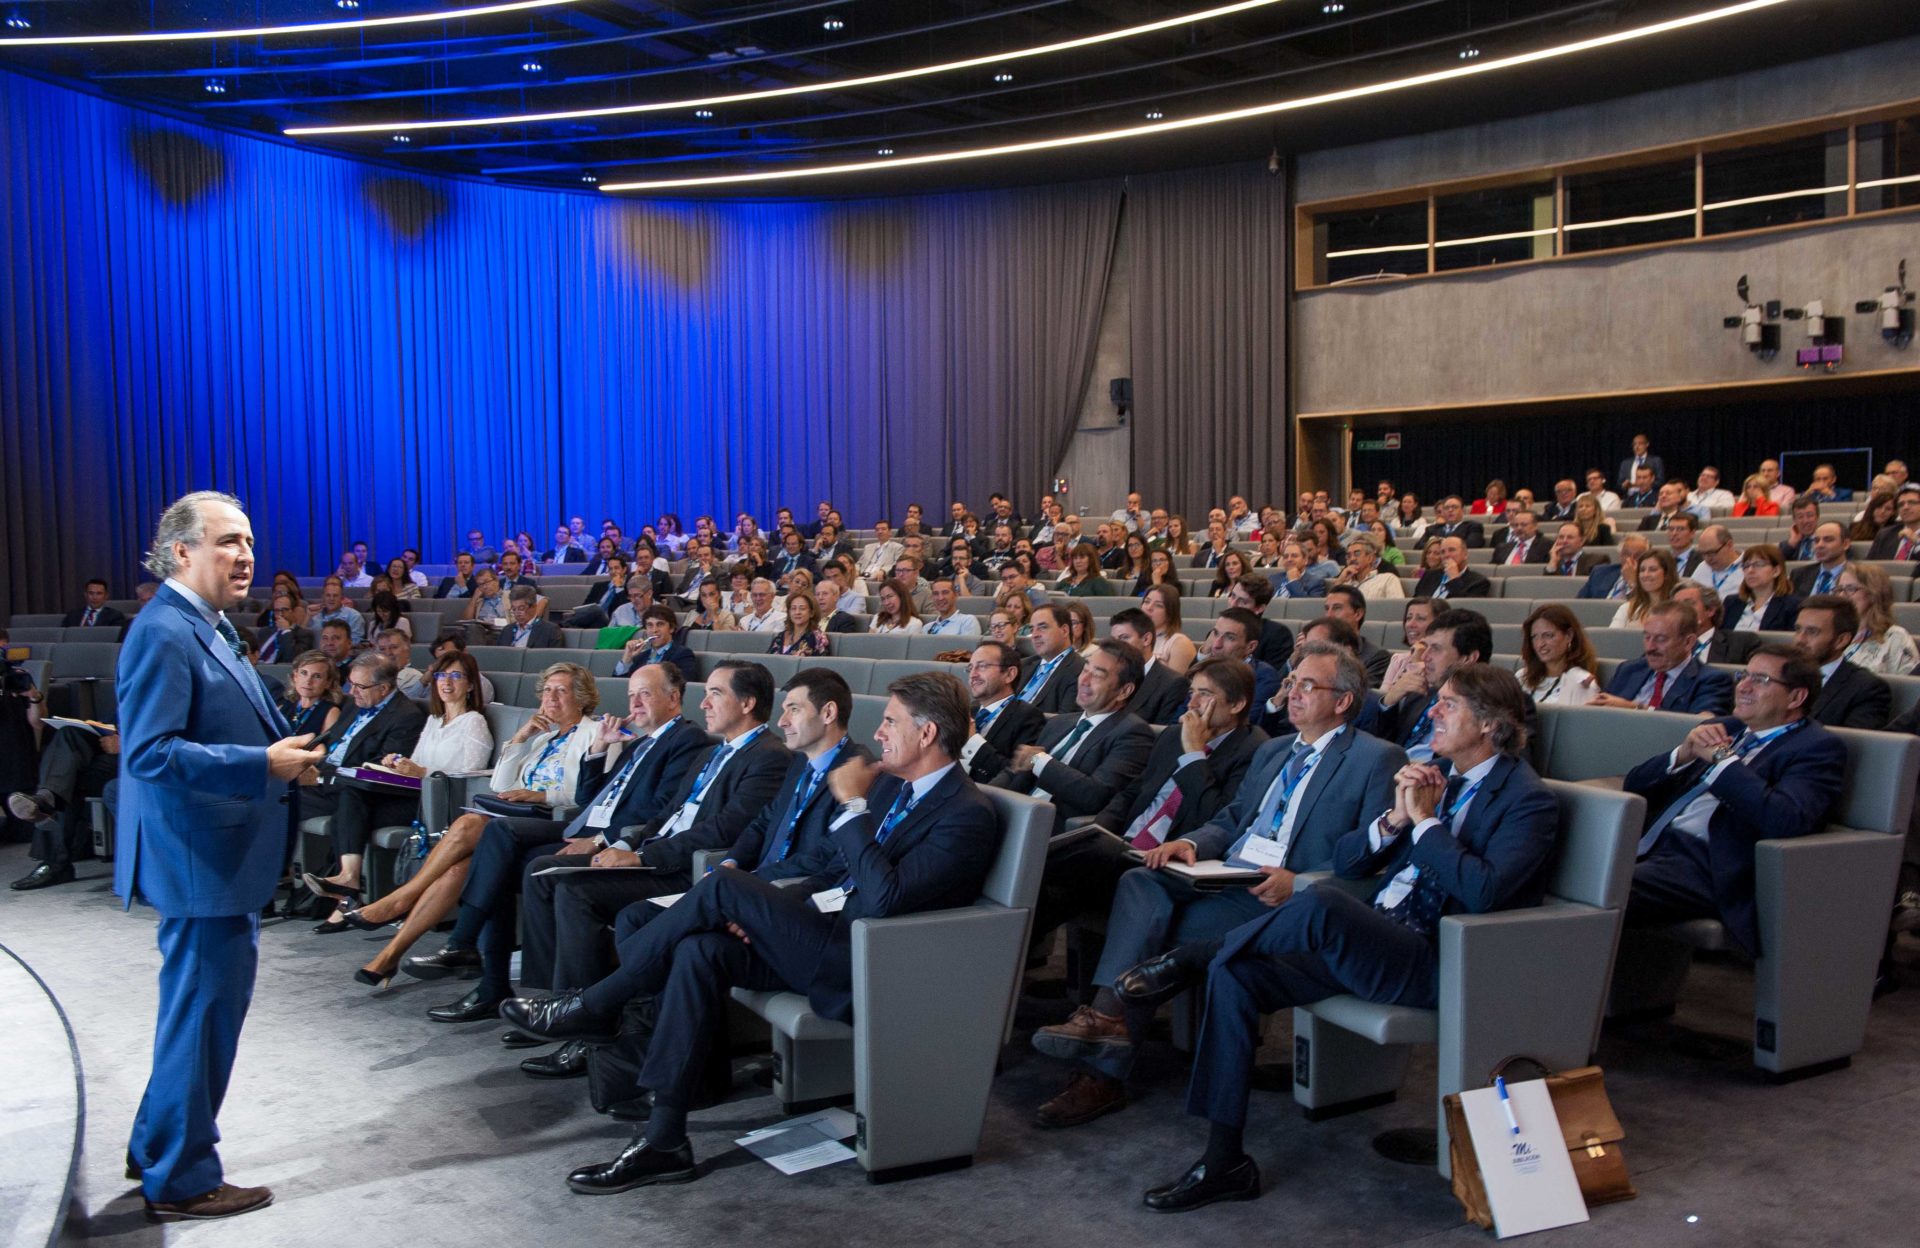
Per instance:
x=377, y=1127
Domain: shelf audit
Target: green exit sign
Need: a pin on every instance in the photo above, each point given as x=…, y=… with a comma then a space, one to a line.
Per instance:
x=1385, y=442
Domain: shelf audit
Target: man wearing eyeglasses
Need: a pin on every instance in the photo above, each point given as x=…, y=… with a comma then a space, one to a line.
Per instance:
x=1768, y=771
x=1002, y=723
x=1301, y=793
x=397, y=649
x=382, y=723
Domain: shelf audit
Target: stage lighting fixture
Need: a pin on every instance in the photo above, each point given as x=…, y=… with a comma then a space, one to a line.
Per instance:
x=1332, y=7
x=885, y=151
x=833, y=23
x=16, y=21
x=532, y=67
x=591, y=179
x=215, y=86
x=1003, y=77
x=704, y=114
x=403, y=138
x=1154, y=114
x=1469, y=53
x=266, y=32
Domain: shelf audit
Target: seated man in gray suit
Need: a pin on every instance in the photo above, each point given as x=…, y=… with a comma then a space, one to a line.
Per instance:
x=1300, y=796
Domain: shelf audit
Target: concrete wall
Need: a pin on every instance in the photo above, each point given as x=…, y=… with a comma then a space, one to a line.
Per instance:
x=1098, y=463
x=1644, y=320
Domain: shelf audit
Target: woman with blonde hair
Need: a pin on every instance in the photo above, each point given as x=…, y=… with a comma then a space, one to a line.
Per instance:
x=1881, y=645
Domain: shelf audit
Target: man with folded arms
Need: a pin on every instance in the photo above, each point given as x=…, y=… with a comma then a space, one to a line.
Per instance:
x=1767, y=771
x=1470, y=832
x=920, y=837
x=1299, y=796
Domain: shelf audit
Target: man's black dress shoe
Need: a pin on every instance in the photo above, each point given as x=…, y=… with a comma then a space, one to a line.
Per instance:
x=633, y=1109
x=1240, y=1181
x=514, y=1038
x=640, y=1164
x=460, y=963
x=468, y=1009
x=563, y=1017
x=569, y=1061
x=1159, y=980
x=43, y=876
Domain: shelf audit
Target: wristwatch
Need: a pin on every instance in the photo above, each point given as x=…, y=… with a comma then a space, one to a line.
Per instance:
x=1724, y=753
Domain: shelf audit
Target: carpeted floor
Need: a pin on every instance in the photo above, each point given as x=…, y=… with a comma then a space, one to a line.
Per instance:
x=375, y=1126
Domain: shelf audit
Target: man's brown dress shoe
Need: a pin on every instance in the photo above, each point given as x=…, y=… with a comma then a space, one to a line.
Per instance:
x=1087, y=1097
x=225, y=1201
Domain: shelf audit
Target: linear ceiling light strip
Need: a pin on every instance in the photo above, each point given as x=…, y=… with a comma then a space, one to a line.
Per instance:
x=266, y=32
x=1465, y=70
x=842, y=84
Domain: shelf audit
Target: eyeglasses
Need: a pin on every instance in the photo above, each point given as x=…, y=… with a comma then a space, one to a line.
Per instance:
x=358, y=687
x=1304, y=685
x=1760, y=679
x=449, y=676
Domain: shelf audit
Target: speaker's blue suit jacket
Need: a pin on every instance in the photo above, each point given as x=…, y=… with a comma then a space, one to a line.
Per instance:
x=203, y=829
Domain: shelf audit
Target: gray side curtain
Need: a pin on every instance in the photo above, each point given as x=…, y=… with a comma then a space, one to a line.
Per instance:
x=1209, y=255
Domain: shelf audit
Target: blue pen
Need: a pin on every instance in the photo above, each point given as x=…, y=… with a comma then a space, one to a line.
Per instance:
x=1506, y=1102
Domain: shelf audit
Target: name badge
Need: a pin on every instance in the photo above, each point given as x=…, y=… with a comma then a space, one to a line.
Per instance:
x=830, y=900
x=1260, y=851
x=1397, y=888
x=601, y=815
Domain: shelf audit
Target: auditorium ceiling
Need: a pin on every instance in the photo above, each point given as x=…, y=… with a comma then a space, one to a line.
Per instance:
x=597, y=94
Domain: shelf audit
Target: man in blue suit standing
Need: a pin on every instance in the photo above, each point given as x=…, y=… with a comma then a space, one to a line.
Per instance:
x=1472, y=831
x=205, y=816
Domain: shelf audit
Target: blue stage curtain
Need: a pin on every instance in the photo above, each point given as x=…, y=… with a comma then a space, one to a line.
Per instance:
x=358, y=353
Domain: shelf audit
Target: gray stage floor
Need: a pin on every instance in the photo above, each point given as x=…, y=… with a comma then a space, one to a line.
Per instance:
x=378, y=1127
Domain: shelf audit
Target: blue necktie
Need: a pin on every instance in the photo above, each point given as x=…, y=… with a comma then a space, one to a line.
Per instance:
x=809, y=782
x=1823, y=583
x=1038, y=680
x=1420, y=909
x=1289, y=780
x=983, y=717
x=902, y=806
x=1748, y=744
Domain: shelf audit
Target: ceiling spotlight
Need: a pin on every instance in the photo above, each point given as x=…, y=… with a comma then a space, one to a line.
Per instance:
x=833, y=23
x=1469, y=53
x=216, y=86
x=1332, y=7
x=17, y=22
x=532, y=67
x=704, y=114
x=590, y=179
x=1003, y=77
x=403, y=138
x=346, y=4
x=1154, y=114
x=886, y=151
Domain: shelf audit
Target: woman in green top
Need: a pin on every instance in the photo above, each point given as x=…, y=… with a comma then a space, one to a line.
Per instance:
x=1390, y=554
x=1083, y=574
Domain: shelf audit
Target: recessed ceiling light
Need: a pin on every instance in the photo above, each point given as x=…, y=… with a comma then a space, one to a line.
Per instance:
x=1469, y=53
x=532, y=67
x=1333, y=6
x=304, y=28
x=865, y=80
x=346, y=4
x=403, y=138
x=215, y=86
x=703, y=114
x=1276, y=108
x=16, y=22
x=886, y=151
x=833, y=23
x=1003, y=77
x=1154, y=114
x=590, y=178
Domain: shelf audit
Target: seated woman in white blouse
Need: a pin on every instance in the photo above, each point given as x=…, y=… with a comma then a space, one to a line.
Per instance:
x=538, y=770
x=1556, y=666
x=896, y=613
x=456, y=738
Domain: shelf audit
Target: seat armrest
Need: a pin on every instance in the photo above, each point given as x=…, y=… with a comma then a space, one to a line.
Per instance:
x=705, y=860
x=445, y=792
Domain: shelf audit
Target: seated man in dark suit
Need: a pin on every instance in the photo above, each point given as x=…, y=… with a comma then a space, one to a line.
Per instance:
x=1714, y=644
x=1052, y=676
x=1901, y=539
x=513, y=572
x=1298, y=797
x=1453, y=578
x=1232, y=635
x=564, y=550
x=1642, y=491
x=1569, y=555
x=1081, y=761
x=919, y=838
x=1768, y=771
x=1849, y=696
x=96, y=613
x=1471, y=832
x=566, y=916
x=526, y=630
x=655, y=643
x=646, y=563
x=1002, y=723
x=286, y=638
x=1797, y=546
x=1451, y=521
x=603, y=597
x=384, y=722
x=1669, y=676
x=1830, y=549
x=460, y=583
x=1349, y=606
x=1252, y=593
x=1606, y=580
x=1162, y=694
x=827, y=593
x=634, y=765
x=788, y=838
x=1523, y=542
x=77, y=764
x=793, y=557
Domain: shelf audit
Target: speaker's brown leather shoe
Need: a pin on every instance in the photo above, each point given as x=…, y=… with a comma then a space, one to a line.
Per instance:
x=225, y=1201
